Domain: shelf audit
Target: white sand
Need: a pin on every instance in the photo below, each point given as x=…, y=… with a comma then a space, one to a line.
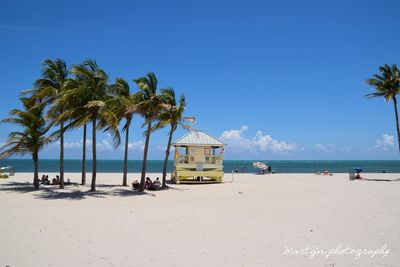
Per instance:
x=245, y=223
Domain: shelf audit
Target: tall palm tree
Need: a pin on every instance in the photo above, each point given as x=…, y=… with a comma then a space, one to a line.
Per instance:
x=172, y=116
x=123, y=100
x=148, y=104
x=47, y=90
x=92, y=89
x=73, y=112
x=32, y=139
x=387, y=85
x=83, y=179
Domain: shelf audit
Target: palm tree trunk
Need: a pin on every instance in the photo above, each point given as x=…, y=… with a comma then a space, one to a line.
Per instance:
x=164, y=177
x=62, y=156
x=84, y=156
x=124, y=178
x=93, y=186
x=397, y=121
x=144, y=164
x=35, y=158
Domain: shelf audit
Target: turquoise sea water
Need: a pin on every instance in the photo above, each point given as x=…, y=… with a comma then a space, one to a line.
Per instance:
x=280, y=166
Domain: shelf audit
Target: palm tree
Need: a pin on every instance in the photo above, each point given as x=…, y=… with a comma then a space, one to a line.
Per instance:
x=92, y=88
x=123, y=100
x=73, y=111
x=172, y=116
x=32, y=139
x=83, y=179
x=148, y=104
x=387, y=85
x=47, y=90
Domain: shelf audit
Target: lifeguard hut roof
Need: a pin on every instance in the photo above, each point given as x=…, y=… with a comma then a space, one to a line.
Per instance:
x=198, y=138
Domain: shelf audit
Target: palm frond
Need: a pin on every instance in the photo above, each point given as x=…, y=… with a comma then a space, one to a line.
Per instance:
x=95, y=104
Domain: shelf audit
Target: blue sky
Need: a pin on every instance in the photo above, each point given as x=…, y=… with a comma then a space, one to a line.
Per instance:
x=273, y=79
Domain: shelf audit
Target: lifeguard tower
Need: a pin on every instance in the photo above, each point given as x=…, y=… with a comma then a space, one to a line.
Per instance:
x=198, y=159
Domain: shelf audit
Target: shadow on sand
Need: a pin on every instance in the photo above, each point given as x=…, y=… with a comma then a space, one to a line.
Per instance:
x=380, y=180
x=72, y=191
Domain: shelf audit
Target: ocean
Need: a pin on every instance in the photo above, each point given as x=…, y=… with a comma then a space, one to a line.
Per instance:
x=279, y=166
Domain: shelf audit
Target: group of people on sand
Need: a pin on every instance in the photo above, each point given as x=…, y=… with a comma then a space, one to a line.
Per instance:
x=325, y=172
x=55, y=181
x=148, y=184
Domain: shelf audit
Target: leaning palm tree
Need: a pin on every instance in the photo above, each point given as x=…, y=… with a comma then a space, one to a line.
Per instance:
x=32, y=139
x=172, y=116
x=148, y=105
x=387, y=85
x=47, y=90
x=123, y=100
x=92, y=89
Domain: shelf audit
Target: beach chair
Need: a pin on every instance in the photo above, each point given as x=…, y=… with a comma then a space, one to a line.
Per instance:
x=352, y=175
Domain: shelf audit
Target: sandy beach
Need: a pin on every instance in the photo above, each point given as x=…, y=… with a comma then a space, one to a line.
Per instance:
x=256, y=220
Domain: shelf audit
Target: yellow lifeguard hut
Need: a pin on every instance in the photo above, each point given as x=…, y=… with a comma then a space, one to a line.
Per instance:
x=198, y=159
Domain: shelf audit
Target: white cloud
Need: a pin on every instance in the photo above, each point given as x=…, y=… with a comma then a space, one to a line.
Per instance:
x=136, y=146
x=105, y=145
x=332, y=149
x=72, y=145
x=319, y=147
x=329, y=148
x=259, y=143
x=346, y=149
x=386, y=143
x=67, y=145
x=233, y=134
x=265, y=142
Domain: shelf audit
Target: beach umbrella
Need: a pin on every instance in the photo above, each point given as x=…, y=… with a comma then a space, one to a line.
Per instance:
x=260, y=165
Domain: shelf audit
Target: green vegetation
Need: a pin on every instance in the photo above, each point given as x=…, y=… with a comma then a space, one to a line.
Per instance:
x=3, y=175
x=148, y=104
x=172, y=116
x=72, y=98
x=32, y=137
x=387, y=85
x=47, y=90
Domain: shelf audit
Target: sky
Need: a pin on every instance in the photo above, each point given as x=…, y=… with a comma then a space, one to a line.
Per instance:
x=277, y=80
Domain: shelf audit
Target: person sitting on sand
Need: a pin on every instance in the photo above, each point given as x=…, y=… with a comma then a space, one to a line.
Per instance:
x=45, y=179
x=157, y=184
x=148, y=184
x=54, y=181
x=135, y=185
x=326, y=172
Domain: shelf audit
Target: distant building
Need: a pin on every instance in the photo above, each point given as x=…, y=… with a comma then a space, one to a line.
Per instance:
x=198, y=158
